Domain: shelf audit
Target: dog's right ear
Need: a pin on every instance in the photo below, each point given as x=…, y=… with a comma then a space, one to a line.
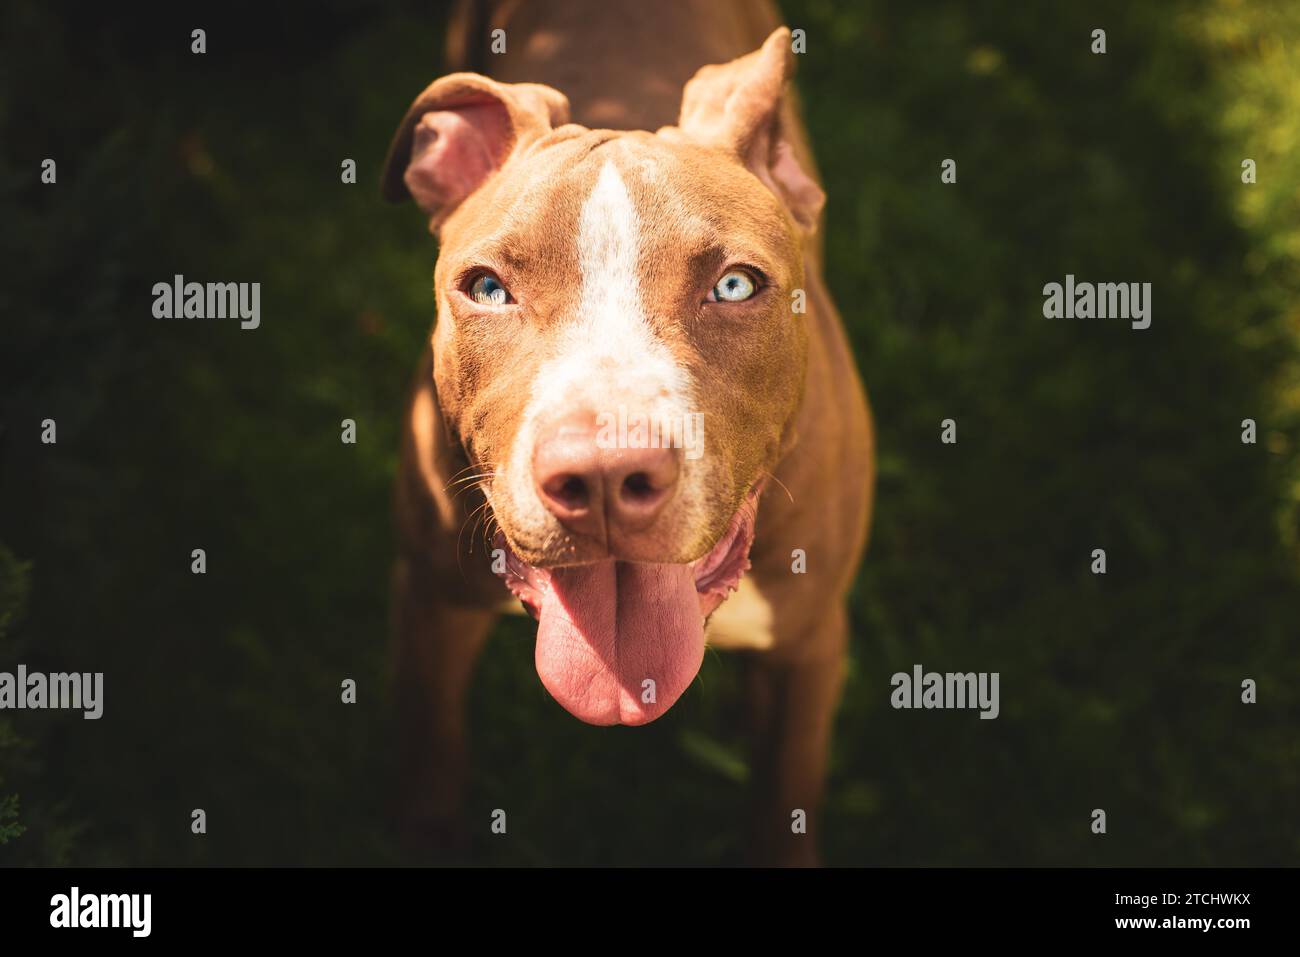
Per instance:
x=460, y=131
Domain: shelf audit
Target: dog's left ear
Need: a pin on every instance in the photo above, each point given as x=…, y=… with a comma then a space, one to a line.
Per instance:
x=737, y=106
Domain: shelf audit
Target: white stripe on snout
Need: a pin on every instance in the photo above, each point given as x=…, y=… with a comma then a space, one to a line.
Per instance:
x=610, y=352
x=608, y=247
x=608, y=356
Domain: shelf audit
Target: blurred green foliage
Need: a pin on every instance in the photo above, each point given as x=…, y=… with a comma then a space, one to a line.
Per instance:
x=222, y=692
x=13, y=593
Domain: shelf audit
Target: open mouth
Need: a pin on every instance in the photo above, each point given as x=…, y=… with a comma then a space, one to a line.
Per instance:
x=618, y=642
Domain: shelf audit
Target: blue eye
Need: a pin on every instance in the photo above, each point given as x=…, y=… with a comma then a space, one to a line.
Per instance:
x=735, y=286
x=487, y=290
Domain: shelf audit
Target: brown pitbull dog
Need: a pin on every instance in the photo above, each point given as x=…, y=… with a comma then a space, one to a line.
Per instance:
x=637, y=383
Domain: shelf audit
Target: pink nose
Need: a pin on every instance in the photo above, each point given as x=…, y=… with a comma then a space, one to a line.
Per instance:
x=598, y=491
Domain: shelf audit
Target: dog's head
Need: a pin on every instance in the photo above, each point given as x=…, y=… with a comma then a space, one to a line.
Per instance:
x=618, y=351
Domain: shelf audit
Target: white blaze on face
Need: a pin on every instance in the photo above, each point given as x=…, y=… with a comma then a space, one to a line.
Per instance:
x=608, y=358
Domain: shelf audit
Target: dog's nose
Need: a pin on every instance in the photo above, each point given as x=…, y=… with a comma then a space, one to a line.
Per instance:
x=595, y=490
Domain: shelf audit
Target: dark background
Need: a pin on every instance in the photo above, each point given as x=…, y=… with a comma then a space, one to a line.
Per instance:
x=1119, y=692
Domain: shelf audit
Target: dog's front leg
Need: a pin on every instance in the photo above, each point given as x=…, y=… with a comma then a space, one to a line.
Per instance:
x=437, y=644
x=792, y=712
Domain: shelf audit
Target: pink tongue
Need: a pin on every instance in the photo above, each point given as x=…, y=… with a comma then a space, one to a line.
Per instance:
x=606, y=630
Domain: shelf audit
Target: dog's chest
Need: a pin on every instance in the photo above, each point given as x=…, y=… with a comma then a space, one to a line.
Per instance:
x=743, y=621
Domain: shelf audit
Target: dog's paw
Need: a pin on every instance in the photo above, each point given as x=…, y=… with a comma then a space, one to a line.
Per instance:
x=433, y=837
x=771, y=843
